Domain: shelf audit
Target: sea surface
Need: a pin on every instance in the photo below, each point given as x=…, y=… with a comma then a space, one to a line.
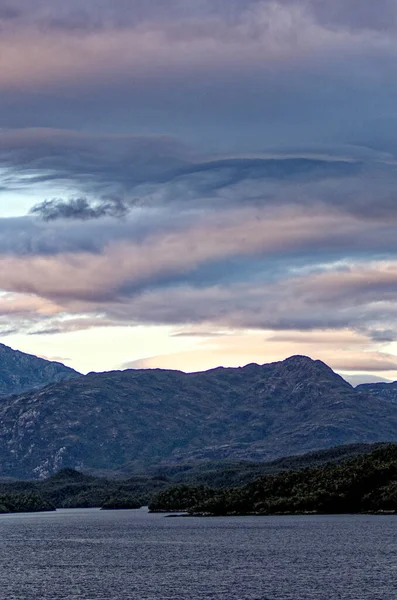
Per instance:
x=98, y=555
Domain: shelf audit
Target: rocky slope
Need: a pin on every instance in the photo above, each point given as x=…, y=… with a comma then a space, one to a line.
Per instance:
x=103, y=421
x=20, y=372
x=386, y=391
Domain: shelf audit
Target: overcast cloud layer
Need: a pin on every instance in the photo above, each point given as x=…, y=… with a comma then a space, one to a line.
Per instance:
x=225, y=169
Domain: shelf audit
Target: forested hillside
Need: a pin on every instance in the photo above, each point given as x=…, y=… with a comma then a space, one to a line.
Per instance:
x=367, y=483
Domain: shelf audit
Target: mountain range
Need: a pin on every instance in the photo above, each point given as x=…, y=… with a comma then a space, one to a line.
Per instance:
x=138, y=418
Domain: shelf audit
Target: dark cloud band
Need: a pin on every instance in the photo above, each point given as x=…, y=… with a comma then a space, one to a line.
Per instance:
x=82, y=209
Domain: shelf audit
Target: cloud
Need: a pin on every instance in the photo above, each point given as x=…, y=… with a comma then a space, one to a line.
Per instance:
x=172, y=197
x=355, y=380
x=280, y=268
x=357, y=298
x=164, y=257
x=243, y=76
x=111, y=13
x=381, y=17
x=95, y=162
x=61, y=324
x=351, y=352
x=114, y=175
x=106, y=175
x=92, y=162
x=284, y=241
x=255, y=65
x=296, y=304
x=82, y=209
x=259, y=137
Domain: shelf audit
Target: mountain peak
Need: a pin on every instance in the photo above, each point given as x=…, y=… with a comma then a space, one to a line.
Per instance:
x=305, y=363
x=299, y=359
x=308, y=368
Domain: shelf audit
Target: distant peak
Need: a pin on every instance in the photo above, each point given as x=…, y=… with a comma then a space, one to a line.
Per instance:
x=300, y=359
x=305, y=361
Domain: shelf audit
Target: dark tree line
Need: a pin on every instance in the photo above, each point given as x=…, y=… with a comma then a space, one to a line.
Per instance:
x=24, y=502
x=364, y=484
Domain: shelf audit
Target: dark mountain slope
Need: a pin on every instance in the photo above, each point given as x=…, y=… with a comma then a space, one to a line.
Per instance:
x=103, y=421
x=20, y=372
x=386, y=391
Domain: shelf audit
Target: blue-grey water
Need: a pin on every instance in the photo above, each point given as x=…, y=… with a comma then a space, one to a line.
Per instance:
x=94, y=555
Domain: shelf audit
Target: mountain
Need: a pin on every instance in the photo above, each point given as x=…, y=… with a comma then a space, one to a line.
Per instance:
x=20, y=372
x=386, y=391
x=145, y=417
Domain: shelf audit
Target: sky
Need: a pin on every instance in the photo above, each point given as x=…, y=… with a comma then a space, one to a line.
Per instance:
x=186, y=184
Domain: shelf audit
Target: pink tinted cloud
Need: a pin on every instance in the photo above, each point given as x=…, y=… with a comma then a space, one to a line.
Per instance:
x=136, y=282
x=129, y=265
x=339, y=349
x=264, y=35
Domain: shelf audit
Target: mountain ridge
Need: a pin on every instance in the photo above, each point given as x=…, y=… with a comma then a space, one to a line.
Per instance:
x=146, y=417
x=21, y=372
x=386, y=391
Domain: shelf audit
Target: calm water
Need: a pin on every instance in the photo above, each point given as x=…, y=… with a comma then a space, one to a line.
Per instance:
x=93, y=555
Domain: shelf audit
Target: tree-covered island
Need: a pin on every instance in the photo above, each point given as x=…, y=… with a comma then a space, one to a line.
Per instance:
x=366, y=484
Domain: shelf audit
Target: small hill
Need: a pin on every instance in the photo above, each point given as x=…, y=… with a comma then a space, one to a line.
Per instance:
x=20, y=372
